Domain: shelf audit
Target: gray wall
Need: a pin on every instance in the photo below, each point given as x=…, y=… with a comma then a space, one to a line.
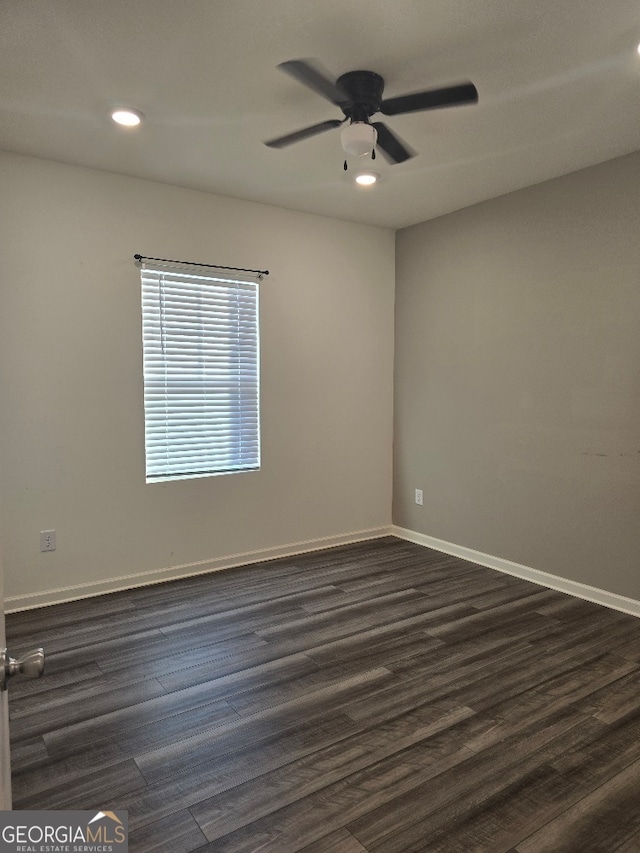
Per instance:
x=517, y=377
x=71, y=419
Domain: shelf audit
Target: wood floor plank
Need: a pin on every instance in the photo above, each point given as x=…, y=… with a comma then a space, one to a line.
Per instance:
x=101, y=787
x=595, y=762
x=620, y=700
x=395, y=789
x=116, y=724
x=448, y=593
x=630, y=649
x=506, y=595
x=433, y=576
x=480, y=684
x=475, y=623
x=632, y=845
x=22, y=626
x=230, y=770
x=45, y=777
x=439, y=682
x=403, y=823
x=259, y=699
x=603, y=820
x=183, y=754
x=366, y=649
x=515, y=683
x=179, y=833
x=78, y=692
x=612, y=631
x=568, y=605
x=370, y=642
x=557, y=801
x=343, y=621
x=204, y=663
x=496, y=824
x=58, y=680
x=232, y=621
x=298, y=780
x=338, y=842
x=556, y=696
x=27, y=753
x=318, y=648
x=240, y=677
x=46, y=718
x=449, y=657
x=300, y=824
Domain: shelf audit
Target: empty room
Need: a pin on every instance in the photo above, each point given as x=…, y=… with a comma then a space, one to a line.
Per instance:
x=320, y=426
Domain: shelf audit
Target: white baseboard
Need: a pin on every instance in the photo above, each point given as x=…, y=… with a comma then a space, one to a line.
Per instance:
x=579, y=590
x=123, y=582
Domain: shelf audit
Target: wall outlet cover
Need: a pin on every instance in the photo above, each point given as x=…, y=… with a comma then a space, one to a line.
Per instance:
x=47, y=540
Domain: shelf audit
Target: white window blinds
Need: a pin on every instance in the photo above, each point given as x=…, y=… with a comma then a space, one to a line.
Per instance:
x=201, y=373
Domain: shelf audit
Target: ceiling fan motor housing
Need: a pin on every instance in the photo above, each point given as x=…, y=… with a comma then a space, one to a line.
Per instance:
x=364, y=89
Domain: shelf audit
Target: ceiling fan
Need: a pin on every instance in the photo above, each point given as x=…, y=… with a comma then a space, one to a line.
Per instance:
x=359, y=95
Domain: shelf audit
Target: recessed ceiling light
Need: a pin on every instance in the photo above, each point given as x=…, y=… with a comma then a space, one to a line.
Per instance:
x=365, y=179
x=129, y=118
x=639, y=48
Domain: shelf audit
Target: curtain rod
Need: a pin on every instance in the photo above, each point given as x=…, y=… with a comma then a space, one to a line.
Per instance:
x=194, y=264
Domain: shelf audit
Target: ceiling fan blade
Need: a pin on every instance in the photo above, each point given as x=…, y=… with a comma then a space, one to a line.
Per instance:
x=312, y=76
x=452, y=96
x=391, y=145
x=305, y=133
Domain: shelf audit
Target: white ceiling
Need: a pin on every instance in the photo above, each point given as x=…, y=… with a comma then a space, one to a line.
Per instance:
x=558, y=83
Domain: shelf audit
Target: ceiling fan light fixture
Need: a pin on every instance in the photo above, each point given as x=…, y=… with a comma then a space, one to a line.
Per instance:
x=366, y=179
x=358, y=138
x=359, y=95
x=127, y=117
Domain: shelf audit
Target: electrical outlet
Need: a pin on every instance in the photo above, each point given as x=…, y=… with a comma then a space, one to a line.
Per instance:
x=419, y=497
x=47, y=540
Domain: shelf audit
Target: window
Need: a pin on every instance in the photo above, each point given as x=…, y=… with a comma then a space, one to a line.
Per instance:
x=201, y=373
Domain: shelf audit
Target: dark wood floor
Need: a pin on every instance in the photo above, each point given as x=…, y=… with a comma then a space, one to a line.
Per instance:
x=376, y=697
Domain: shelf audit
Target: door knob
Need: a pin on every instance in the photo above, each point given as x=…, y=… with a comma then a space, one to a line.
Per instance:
x=31, y=666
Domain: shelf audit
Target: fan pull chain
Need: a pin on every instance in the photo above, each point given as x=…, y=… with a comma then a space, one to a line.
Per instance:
x=345, y=165
x=373, y=154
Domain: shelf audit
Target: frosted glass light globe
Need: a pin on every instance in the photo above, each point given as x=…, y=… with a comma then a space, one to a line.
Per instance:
x=358, y=138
